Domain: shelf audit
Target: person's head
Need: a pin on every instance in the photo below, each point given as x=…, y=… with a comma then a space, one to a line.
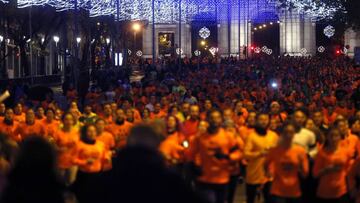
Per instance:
x=288, y=130
x=207, y=105
x=228, y=114
x=9, y=115
x=203, y=126
x=263, y=121
x=274, y=108
x=238, y=106
x=40, y=112
x=172, y=124
x=50, y=115
x=130, y=115
x=300, y=117
x=120, y=116
x=251, y=119
x=164, y=101
x=30, y=117
x=185, y=108
x=114, y=107
x=230, y=125
x=146, y=113
x=173, y=110
x=215, y=120
x=2, y=108
x=18, y=109
x=343, y=127
x=157, y=108
x=144, y=136
x=107, y=110
x=194, y=112
x=36, y=157
x=318, y=118
x=127, y=103
x=310, y=124
x=354, y=124
x=152, y=99
x=58, y=114
x=100, y=125
x=274, y=124
x=68, y=120
x=73, y=105
x=89, y=134
x=87, y=109
x=332, y=138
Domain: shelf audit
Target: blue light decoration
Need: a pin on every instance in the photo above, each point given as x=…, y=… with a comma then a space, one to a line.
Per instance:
x=4, y=1
x=167, y=11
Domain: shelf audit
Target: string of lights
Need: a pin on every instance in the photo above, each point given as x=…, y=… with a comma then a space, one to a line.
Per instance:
x=167, y=11
x=4, y=1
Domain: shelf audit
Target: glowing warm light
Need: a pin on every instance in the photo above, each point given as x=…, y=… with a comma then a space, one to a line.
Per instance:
x=136, y=27
x=203, y=42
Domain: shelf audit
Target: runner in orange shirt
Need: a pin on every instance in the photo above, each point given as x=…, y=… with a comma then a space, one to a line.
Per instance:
x=50, y=124
x=106, y=137
x=190, y=126
x=240, y=114
x=107, y=114
x=285, y=169
x=67, y=139
x=120, y=129
x=216, y=149
x=158, y=113
x=348, y=140
x=172, y=147
x=331, y=167
x=40, y=114
x=91, y=158
x=257, y=146
x=19, y=116
x=31, y=127
x=8, y=125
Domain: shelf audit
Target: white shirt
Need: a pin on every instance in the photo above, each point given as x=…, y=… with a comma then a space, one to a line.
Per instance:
x=307, y=139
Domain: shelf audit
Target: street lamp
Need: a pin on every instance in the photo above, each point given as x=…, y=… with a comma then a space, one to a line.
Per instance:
x=78, y=40
x=107, y=41
x=56, y=39
x=1, y=38
x=203, y=42
x=136, y=27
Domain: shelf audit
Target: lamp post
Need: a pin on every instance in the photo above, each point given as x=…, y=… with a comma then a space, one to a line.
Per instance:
x=136, y=27
x=56, y=40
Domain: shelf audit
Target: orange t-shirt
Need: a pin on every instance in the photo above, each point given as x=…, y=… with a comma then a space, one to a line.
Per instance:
x=172, y=149
x=285, y=170
x=159, y=115
x=19, y=118
x=108, y=139
x=9, y=130
x=92, y=157
x=214, y=170
x=67, y=143
x=333, y=184
x=350, y=143
x=255, y=144
x=24, y=130
x=51, y=128
x=120, y=133
x=190, y=128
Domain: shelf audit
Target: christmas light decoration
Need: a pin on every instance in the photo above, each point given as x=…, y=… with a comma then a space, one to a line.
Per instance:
x=321, y=49
x=129, y=52
x=329, y=31
x=303, y=51
x=139, y=53
x=204, y=32
x=3, y=1
x=168, y=11
x=197, y=53
x=317, y=10
x=179, y=51
x=257, y=50
x=213, y=51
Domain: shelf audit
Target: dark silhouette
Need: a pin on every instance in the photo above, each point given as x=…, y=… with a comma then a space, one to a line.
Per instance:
x=33, y=177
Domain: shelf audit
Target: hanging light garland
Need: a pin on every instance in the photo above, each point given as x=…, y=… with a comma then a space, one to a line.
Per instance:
x=329, y=31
